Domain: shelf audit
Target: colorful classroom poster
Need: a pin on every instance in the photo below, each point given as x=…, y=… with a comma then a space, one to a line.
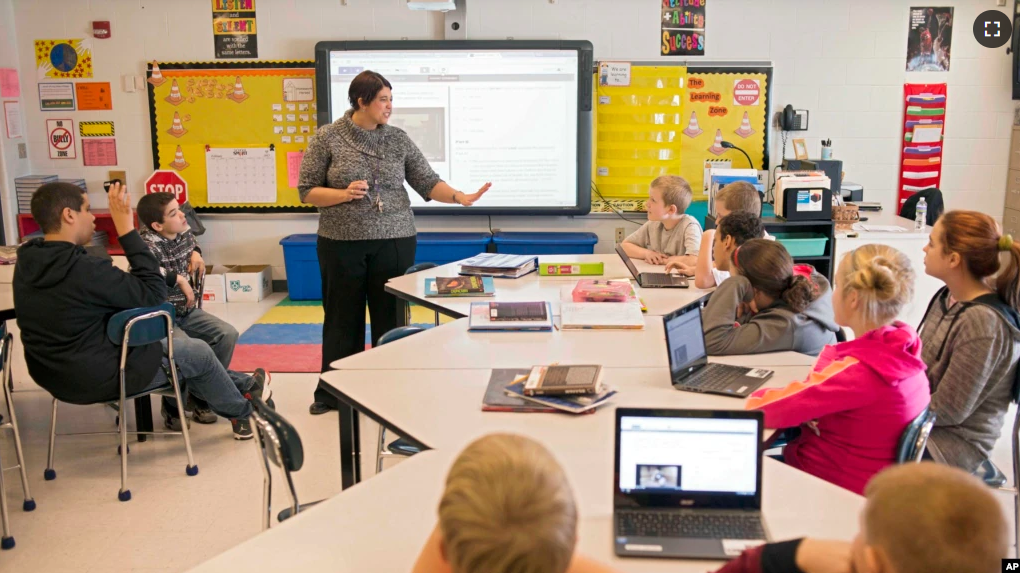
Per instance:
x=234, y=31
x=60, y=138
x=9, y=85
x=56, y=96
x=929, y=39
x=99, y=152
x=93, y=96
x=683, y=28
x=96, y=129
x=924, y=116
x=63, y=58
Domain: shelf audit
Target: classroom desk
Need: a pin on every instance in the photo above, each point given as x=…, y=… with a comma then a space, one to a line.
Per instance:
x=382, y=524
x=531, y=287
x=442, y=409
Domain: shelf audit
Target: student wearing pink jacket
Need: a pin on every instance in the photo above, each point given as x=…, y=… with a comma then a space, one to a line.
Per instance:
x=863, y=393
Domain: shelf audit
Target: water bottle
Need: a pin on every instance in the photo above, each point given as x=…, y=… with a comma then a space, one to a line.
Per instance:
x=921, y=215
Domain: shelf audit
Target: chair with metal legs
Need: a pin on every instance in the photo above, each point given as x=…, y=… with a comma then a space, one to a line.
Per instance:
x=278, y=444
x=7, y=381
x=411, y=270
x=129, y=329
x=398, y=447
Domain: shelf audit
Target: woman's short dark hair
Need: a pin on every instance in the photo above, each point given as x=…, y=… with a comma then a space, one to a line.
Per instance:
x=365, y=86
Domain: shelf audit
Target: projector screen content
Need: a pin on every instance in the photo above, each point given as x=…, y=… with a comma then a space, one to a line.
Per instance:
x=505, y=116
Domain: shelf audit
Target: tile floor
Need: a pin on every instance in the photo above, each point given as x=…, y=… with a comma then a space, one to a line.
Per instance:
x=173, y=522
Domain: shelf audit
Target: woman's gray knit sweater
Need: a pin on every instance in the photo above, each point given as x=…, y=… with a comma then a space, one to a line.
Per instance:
x=341, y=153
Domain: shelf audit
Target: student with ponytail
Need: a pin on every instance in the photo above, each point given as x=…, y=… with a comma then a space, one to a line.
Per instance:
x=971, y=335
x=860, y=394
x=768, y=304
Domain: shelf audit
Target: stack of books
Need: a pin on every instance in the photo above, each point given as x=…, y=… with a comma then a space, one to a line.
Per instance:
x=497, y=265
x=505, y=393
x=510, y=316
x=25, y=186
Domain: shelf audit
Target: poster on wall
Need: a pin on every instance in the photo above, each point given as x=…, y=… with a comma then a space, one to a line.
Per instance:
x=929, y=39
x=60, y=138
x=683, y=28
x=234, y=32
x=63, y=58
x=99, y=152
x=93, y=96
x=54, y=96
x=924, y=116
x=12, y=115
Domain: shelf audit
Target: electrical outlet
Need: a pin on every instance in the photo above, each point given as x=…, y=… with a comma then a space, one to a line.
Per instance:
x=22, y=151
x=763, y=177
x=619, y=235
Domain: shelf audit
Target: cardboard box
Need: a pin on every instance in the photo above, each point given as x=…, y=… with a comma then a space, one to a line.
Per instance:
x=249, y=283
x=214, y=289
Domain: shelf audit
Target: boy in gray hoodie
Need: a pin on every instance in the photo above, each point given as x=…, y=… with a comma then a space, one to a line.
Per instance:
x=768, y=304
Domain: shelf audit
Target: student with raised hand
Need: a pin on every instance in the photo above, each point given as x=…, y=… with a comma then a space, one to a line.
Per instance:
x=768, y=304
x=507, y=508
x=860, y=394
x=918, y=518
x=970, y=334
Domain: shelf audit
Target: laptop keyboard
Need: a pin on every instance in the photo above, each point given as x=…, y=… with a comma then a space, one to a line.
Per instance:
x=714, y=377
x=700, y=524
x=660, y=279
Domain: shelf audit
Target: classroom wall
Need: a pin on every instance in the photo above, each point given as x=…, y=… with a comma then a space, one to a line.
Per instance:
x=841, y=59
x=11, y=165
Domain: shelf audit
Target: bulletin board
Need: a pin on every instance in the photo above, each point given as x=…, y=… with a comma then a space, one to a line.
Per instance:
x=670, y=120
x=198, y=110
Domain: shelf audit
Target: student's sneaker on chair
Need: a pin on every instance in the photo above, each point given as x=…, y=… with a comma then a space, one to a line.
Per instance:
x=171, y=422
x=200, y=414
x=261, y=389
x=242, y=428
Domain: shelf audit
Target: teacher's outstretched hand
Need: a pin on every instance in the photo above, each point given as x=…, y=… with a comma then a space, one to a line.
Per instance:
x=443, y=193
x=469, y=200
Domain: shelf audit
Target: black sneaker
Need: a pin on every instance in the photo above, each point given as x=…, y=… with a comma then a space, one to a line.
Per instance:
x=170, y=421
x=261, y=389
x=200, y=414
x=242, y=429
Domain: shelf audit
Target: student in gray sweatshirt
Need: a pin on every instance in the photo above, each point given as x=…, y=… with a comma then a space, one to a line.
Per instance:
x=970, y=335
x=769, y=305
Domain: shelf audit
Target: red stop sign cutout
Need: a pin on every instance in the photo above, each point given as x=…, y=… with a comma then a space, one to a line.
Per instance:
x=167, y=181
x=746, y=92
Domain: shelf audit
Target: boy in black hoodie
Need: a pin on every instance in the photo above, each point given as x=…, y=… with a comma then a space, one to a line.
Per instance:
x=64, y=298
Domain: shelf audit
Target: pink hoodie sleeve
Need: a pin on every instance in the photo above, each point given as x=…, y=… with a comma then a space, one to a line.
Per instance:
x=835, y=388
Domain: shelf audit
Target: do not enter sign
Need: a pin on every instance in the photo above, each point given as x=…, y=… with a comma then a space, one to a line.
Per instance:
x=746, y=92
x=167, y=181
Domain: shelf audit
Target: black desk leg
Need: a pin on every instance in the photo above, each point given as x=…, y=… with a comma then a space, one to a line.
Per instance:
x=403, y=312
x=143, y=416
x=350, y=446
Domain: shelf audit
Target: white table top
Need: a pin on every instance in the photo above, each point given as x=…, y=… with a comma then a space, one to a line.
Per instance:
x=534, y=287
x=887, y=218
x=454, y=346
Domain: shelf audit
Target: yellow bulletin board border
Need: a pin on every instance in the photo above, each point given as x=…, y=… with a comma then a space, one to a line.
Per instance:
x=196, y=188
x=672, y=163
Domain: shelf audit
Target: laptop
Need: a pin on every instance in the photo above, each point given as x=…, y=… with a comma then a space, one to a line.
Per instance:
x=687, y=483
x=651, y=280
x=688, y=360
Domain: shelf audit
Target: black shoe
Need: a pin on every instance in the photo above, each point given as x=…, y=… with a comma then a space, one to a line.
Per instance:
x=318, y=408
x=200, y=414
x=242, y=429
x=170, y=421
x=261, y=389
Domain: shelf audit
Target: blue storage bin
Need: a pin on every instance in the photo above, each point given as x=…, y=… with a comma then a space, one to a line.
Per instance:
x=545, y=243
x=299, y=257
x=442, y=248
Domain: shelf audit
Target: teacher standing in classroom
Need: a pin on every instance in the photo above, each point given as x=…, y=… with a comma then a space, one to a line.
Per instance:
x=354, y=171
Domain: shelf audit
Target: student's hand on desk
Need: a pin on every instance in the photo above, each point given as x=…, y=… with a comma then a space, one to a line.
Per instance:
x=120, y=209
x=356, y=190
x=654, y=258
x=469, y=200
x=189, y=293
x=681, y=265
x=197, y=263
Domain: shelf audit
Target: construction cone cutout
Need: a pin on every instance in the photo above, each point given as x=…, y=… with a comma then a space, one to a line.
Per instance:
x=745, y=127
x=156, y=78
x=177, y=129
x=175, y=96
x=238, y=94
x=179, y=163
x=717, y=147
x=692, y=127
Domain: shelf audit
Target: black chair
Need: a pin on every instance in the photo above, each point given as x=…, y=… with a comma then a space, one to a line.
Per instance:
x=278, y=443
x=410, y=271
x=128, y=329
x=840, y=335
x=933, y=200
x=912, y=442
x=399, y=447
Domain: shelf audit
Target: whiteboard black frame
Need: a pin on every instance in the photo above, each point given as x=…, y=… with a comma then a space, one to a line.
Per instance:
x=585, y=61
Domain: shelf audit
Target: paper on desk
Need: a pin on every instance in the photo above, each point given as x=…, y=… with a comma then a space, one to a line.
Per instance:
x=579, y=315
x=879, y=228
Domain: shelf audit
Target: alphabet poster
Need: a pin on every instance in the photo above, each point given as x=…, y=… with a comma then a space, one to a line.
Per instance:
x=683, y=28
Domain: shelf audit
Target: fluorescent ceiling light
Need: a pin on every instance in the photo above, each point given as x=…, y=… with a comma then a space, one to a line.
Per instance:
x=435, y=5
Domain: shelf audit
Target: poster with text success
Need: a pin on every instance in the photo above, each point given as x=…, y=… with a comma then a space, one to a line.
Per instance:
x=683, y=28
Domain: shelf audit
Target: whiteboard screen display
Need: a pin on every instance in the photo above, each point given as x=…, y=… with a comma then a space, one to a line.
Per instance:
x=506, y=116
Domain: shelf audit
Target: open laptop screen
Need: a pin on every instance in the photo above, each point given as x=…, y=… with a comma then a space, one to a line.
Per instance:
x=685, y=341
x=626, y=260
x=678, y=455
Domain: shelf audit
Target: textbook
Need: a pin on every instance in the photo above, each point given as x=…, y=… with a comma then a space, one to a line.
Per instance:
x=599, y=315
x=496, y=398
x=571, y=269
x=489, y=288
x=572, y=404
x=459, y=285
x=499, y=265
x=480, y=318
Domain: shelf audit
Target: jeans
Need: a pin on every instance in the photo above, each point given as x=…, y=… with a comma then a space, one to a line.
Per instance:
x=200, y=373
x=218, y=334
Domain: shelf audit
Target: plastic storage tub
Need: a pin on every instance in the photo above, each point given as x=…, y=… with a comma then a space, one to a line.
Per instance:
x=545, y=243
x=442, y=248
x=299, y=257
x=801, y=244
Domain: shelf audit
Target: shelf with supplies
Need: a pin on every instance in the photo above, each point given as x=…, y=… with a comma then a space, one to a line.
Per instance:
x=822, y=227
x=104, y=222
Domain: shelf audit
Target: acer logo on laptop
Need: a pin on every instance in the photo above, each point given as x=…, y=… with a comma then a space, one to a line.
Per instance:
x=686, y=502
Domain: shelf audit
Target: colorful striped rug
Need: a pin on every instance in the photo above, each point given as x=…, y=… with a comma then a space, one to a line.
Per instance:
x=288, y=338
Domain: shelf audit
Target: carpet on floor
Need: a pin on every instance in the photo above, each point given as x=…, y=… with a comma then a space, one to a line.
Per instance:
x=288, y=338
